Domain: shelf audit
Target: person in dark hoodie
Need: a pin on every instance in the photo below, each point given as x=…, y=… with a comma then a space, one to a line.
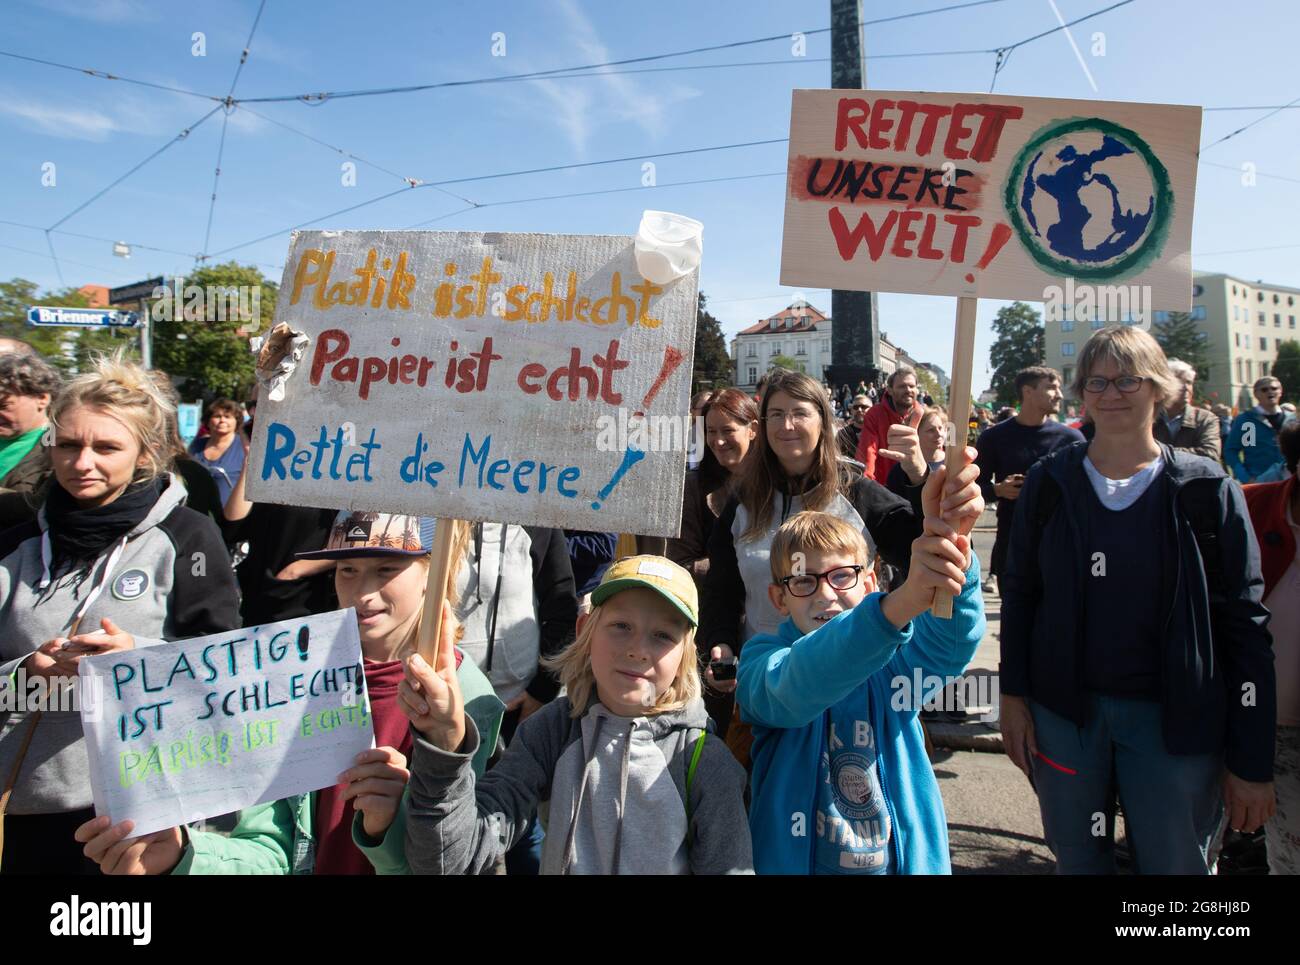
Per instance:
x=624, y=763
x=1135, y=654
x=274, y=582
x=113, y=554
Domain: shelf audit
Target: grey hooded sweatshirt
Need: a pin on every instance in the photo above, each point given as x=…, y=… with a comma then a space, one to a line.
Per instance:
x=169, y=578
x=610, y=790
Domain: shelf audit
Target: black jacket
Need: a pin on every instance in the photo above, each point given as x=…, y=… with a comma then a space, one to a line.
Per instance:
x=1217, y=682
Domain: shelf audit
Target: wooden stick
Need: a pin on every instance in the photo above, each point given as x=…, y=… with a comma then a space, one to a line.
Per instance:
x=963, y=358
x=435, y=591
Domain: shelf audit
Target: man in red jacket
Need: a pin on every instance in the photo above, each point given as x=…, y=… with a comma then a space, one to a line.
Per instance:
x=897, y=404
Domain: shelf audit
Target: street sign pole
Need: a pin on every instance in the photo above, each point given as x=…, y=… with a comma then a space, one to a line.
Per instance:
x=146, y=339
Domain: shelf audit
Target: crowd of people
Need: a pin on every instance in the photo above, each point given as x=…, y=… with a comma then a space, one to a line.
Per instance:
x=728, y=702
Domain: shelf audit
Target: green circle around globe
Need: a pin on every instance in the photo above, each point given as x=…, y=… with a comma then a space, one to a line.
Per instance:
x=1059, y=185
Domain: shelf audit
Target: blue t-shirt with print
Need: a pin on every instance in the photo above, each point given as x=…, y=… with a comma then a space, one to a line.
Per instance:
x=854, y=831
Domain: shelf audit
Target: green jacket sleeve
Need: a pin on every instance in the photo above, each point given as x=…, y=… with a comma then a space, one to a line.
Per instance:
x=388, y=854
x=260, y=844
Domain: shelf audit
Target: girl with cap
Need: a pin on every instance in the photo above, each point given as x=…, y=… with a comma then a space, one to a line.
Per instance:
x=113, y=552
x=381, y=564
x=623, y=763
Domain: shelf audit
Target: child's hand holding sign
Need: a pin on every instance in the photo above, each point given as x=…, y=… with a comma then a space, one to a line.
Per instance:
x=953, y=505
x=376, y=784
x=116, y=853
x=430, y=696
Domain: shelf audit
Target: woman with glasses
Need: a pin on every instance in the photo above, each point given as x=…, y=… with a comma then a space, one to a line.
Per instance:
x=1135, y=656
x=796, y=466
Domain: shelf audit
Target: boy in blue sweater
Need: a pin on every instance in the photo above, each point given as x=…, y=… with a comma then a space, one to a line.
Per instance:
x=841, y=781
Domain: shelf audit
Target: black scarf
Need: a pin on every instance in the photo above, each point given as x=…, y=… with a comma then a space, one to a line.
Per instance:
x=78, y=536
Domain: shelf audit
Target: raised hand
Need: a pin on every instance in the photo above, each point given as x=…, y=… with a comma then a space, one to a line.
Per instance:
x=430, y=696
x=376, y=784
x=905, y=449
x=116, y=853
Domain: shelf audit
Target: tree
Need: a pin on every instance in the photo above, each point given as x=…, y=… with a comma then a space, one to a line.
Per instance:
x=1180, y=339
x=784, y=362
x=713, y=369
x=1287, y=370
x=210, y=356
x=19, y=294
x=929, y=385
x=1020, y=344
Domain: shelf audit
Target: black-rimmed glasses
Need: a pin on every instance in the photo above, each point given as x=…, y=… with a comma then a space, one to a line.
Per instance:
x=840, y=578
x=1128, y=384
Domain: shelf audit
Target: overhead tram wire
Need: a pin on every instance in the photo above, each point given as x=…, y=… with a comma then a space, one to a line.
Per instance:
x=409, y=181
x=57, y=267
x=79, y=264
x=1247, y=127
x=1004, y=53
x=504, y=174
x=105, y=75
x=243, y=57
x=594, y=193
x=179, y=137
x=322, y=96
x=229, y=106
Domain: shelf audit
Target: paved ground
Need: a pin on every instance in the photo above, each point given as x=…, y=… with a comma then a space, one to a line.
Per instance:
x=993, y=821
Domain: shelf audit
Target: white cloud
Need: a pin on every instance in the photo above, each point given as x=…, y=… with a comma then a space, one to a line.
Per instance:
x=581, y=105
x=102, y=11
x=83, y=125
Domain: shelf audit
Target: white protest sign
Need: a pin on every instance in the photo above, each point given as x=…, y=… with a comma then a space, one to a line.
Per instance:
x=525, y=378
x=202, y=727
x=990, y=196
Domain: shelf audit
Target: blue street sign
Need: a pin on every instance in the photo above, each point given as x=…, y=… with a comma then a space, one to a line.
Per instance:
x=81, y=317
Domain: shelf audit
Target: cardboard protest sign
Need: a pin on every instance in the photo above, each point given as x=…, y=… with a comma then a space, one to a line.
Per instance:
x=523, y=378
x=202, y=727
x=990, y=196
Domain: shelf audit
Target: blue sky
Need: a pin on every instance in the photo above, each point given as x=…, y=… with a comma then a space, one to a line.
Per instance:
x=1175, y=51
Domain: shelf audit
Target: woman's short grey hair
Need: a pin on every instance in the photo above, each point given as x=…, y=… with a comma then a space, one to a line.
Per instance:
x=1181, y=370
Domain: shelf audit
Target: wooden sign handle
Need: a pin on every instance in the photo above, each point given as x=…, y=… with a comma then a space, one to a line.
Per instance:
x=963, y=358
x=435, y=591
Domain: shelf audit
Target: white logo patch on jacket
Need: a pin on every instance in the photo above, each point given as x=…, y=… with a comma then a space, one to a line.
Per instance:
x=131, y=585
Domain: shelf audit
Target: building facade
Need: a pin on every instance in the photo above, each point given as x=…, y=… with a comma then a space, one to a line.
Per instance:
x=1241, y=323
x=803, y=333
x=798, y=331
